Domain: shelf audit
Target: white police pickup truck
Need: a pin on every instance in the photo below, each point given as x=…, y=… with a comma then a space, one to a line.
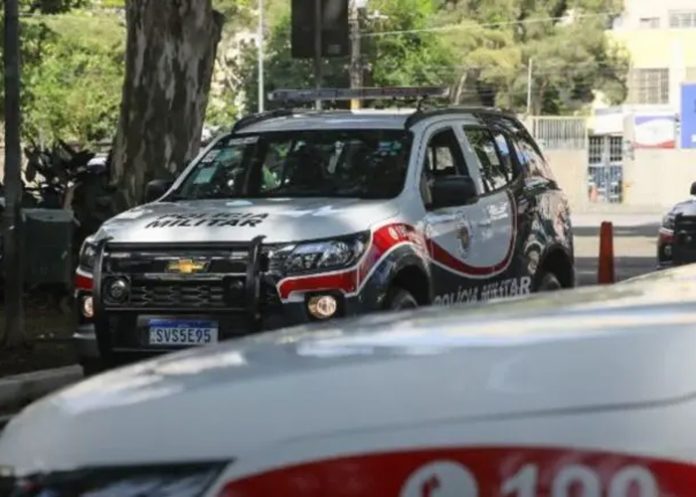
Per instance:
x=301, y=216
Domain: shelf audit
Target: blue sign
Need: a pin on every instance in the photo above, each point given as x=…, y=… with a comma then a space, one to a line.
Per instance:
x=688, y=116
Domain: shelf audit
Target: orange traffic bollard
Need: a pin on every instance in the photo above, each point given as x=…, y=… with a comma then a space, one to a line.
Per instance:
x=605, y=272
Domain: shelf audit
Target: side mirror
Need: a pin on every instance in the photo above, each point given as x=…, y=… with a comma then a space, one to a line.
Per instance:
x=155, y=189
x=693, y=188
x=450, y=191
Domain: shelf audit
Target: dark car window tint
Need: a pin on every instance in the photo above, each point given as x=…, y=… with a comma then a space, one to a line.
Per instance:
x=443, y=157
x=528, y=154
x=494, y=173
x=505, y=150
x=530, y=159
x=302, y=163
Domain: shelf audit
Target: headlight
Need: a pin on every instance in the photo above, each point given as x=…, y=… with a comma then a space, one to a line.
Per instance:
x=88, y=256
x=668, y=222
x=320, y=256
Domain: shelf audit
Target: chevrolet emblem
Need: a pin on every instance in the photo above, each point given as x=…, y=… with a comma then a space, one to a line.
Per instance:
x=186, y=266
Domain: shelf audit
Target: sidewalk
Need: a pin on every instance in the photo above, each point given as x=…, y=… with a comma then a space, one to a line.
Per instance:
x=20, y=390
x=620, y=215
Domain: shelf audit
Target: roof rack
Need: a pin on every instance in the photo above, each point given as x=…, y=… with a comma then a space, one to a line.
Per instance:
x=420, y=114
x=335, y=94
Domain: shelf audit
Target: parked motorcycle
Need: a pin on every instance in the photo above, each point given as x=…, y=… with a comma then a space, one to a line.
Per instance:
x=63, y=179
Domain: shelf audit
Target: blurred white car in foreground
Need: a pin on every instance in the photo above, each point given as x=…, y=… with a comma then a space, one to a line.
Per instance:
x=588, y=393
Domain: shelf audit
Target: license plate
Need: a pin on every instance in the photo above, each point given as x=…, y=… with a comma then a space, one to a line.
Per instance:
x=182, y=332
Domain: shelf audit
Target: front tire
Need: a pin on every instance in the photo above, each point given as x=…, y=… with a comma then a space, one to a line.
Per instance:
x=548, y=282
x=399, y=299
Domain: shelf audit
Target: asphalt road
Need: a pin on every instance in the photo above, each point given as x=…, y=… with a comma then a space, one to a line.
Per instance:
x=635, y=245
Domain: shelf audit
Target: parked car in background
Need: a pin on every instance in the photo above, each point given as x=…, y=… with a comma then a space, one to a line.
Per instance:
x=676, y=244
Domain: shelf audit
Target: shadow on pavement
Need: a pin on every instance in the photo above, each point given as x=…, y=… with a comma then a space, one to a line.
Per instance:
x=625, y=267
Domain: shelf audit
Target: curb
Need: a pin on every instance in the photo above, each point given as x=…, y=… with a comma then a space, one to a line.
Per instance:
x=19, y=390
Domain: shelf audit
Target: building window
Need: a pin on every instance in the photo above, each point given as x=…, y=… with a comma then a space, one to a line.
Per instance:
x=682, y=19
x=650, y=22
x=648, y=86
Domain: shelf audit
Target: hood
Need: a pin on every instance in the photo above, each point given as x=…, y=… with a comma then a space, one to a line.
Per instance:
x=278, y=220
x=366, y=376
x=687, y=208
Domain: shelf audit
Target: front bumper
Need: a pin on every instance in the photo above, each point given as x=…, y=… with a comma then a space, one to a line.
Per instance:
x=85, y=341
x=128, y=341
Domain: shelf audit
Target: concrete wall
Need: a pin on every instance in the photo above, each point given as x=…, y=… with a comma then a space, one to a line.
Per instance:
x=658, y=177
x=570, y=169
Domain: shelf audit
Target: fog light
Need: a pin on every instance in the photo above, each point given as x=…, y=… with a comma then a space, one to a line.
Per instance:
x=118, y=289
x=88, y=307
x=322, y=306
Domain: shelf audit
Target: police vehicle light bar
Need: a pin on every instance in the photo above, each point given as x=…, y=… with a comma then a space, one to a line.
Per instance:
x=334, y=94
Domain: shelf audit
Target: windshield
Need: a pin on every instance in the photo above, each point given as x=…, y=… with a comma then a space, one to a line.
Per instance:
x=341, y=163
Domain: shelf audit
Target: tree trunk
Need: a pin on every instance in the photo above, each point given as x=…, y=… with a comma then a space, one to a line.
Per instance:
x=170, y=55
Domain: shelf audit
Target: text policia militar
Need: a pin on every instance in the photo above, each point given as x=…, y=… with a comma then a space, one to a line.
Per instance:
x=503, y=288
x=208, y=219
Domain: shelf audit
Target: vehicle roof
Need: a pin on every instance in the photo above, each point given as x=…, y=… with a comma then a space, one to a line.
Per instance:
x=343, y=119
x=620, y=347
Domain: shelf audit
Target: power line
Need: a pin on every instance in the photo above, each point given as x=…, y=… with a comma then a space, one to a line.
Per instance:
x=469, y=25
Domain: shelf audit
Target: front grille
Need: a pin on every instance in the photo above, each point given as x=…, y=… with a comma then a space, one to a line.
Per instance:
x=175, y=295
x=684, y=245
x=180, y=277
x=685, y=228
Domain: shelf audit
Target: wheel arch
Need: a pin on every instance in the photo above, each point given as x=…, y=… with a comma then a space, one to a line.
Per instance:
x=414, y=279
x=558, y=260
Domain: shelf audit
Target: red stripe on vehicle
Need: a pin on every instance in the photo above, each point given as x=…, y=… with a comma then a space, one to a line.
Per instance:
x=83, y=282
x=345, y=281
x=348, y=281
x=383, y=239
x=475, y=471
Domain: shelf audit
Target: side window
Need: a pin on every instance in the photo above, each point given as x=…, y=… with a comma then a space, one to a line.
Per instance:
x=494, y=173
x=444, y=156
x=530, y=159
x=505, y=151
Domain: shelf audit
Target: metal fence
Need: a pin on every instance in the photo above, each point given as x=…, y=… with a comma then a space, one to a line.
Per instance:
x=556, y=133
x=605, y=169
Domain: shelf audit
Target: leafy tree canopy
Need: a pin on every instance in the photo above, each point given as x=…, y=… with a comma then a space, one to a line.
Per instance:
x=400, y=59
x=565, y=40
x=72, y=59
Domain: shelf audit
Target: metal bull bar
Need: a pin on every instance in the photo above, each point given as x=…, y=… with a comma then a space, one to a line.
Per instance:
x=252, y=295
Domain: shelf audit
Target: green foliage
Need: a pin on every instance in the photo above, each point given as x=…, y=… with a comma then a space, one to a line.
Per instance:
x=50, y=6
x=401, y=59
x=571, y=60
x=72, y=71
x=408, y=59
x=74, y=92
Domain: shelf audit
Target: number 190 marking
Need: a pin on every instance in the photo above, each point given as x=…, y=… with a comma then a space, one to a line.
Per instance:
x=585, y=480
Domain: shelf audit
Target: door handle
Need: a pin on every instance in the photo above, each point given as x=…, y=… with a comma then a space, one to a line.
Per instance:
x=485, y=224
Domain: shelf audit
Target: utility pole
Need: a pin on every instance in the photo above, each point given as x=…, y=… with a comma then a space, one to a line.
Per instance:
x=260, y=47
x=14, y=311
x=318, y=24
x=529, y=86
x=355, y=53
